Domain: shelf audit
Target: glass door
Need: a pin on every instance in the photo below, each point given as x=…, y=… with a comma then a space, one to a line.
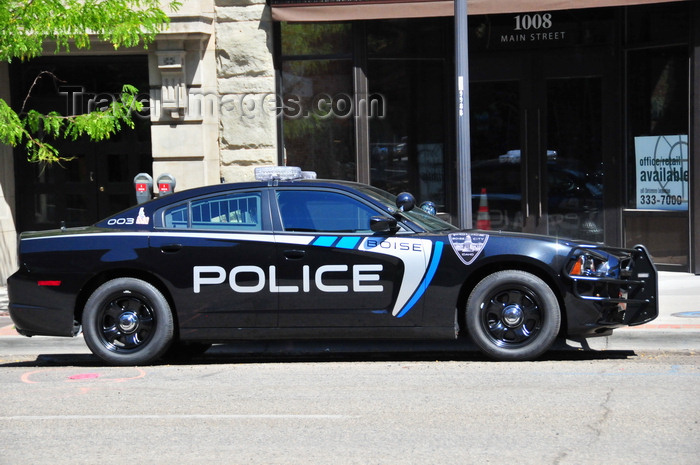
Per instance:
x=98, y=180
x=537, y=142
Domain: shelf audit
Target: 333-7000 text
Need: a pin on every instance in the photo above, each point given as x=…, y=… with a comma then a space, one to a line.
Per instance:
x=651, y=199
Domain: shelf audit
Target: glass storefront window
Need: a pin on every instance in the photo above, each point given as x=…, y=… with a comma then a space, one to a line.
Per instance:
x=407, y=146
x=657, y=133
x=403, y=134
x=303, y=39
x=495, y=151
x=575, y=158
x=657, y=103
x=666, y=22
x=407, y=38
x=318, y=117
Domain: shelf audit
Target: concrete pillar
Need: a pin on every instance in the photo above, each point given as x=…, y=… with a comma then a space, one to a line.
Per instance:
x=8, y=233
x=246, y=84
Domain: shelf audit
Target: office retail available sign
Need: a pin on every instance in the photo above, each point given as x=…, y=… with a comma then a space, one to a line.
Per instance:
x=662, y=172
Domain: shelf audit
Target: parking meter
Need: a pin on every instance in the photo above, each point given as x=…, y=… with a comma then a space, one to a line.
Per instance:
x=166, y=184
x=143, y=185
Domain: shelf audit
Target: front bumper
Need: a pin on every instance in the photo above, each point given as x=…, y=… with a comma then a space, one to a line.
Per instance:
x=629, y=297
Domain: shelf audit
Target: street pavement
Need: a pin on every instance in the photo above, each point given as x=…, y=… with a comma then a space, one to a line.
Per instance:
x=677, y=328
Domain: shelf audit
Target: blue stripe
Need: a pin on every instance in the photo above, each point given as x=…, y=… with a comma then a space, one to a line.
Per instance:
x=426, y=280
x=324, y=241
x=347, y=242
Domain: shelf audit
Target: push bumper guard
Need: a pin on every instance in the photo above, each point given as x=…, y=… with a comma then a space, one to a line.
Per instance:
x=632, y=296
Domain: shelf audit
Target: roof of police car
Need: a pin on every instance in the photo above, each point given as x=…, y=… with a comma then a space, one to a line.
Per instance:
x=214, y=188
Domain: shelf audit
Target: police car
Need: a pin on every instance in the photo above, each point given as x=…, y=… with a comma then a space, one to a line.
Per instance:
x=286, y=258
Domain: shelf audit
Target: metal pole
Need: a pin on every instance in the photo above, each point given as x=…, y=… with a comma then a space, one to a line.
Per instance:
x=464, y=181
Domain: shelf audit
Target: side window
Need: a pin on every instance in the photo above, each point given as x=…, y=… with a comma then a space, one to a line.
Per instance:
x=229, y=212
x=321, y=211
x=176, y=217
x=240, y=211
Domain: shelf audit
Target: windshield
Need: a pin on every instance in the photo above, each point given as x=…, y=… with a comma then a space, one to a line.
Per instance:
x=427, y=222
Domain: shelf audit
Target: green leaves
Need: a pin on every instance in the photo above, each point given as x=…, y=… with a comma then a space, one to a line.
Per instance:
x=11, y=127
x=33, y=128
x=26, y=25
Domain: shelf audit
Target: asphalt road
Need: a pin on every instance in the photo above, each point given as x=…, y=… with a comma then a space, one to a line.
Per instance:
x=613, y=407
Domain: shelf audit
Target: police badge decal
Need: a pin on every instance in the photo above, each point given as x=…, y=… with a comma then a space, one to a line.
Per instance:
x=468, y=246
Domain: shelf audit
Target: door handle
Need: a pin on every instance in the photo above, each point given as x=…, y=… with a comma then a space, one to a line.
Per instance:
x=170, y=248
x=294, y=254
x=540, y=161
x=526, y=187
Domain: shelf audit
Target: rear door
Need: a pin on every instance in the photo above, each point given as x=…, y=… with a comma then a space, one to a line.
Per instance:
x=215, y=252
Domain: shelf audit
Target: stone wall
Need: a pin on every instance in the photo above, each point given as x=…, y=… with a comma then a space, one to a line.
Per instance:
x=246, y=86
x=8, y=234
x=184, y=98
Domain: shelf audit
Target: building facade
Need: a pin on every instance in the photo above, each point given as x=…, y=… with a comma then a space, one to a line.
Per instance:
x=583, y=121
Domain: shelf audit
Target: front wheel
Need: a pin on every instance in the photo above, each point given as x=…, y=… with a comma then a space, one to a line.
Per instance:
x=127, y=321
x=513, y=315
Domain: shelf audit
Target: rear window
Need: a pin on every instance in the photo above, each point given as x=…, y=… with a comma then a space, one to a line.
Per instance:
x=230, y=212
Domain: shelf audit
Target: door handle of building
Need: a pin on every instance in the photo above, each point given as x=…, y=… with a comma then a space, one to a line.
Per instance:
x=294, y=254
x=170, y=248
x=526, y=187
x=540, y=161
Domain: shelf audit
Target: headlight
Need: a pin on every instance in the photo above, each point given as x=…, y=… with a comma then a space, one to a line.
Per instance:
x=589, y=263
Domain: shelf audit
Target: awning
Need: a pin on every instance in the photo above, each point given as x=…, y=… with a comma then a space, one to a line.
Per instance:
x=346, y=10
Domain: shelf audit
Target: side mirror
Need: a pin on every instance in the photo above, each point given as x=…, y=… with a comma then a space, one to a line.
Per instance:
x=405, y=202
x=382, y=224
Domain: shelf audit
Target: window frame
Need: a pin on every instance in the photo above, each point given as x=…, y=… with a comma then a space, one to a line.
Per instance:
x=263, y=205
x=279, y=223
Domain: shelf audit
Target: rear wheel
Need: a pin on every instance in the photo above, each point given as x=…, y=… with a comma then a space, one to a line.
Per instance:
x=127, y=321
x=513, y=315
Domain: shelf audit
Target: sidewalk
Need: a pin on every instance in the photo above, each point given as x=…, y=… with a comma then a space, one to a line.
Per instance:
x=676, y=327
x=6, y=328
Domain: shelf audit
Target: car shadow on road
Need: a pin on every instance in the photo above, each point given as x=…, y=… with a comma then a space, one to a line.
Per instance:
x=222, y=354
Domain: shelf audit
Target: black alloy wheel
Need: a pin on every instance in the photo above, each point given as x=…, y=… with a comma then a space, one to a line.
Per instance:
x=513, y=315
x=128, y=321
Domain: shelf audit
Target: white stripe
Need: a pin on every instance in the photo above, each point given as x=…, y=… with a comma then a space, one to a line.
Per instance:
x=268, y=237
x=295, y=240
x=257, y=237
x=67, y=236
x=233, y=236
x=415, y=263
x=174, y=416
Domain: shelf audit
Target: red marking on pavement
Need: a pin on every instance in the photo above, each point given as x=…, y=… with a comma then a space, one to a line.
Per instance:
x=142, y=374
x=28, y=377
x=84, y=376
x=8, y=331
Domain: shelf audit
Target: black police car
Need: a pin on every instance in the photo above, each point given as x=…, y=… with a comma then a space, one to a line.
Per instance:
x=311, y=259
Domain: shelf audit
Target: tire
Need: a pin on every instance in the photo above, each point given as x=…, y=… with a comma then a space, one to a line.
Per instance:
x=127, y=321
x=513, y=315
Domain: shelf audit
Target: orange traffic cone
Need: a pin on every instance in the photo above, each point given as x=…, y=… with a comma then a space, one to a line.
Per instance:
x=483, y=221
